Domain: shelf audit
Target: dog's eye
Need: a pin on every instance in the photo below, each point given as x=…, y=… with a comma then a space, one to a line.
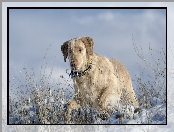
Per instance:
x=80, y=50
x=70, y=51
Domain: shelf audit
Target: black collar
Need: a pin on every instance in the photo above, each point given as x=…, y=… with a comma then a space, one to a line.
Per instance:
x=81, y=73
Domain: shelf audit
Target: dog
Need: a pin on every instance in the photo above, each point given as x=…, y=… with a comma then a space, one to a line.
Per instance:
x=101, y=83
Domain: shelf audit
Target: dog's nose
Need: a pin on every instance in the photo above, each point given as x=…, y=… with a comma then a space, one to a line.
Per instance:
x=72, y=63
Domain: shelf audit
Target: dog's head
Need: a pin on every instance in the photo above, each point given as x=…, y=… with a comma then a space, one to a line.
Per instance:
x=78, y=50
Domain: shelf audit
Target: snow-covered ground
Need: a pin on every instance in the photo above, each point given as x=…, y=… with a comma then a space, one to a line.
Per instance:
x=157, y=115
x=153, y=115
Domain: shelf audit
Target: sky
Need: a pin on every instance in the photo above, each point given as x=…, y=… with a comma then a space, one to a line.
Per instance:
x=32, y=32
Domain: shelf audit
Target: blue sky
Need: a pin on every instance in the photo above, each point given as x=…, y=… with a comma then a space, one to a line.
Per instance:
x=33, y=31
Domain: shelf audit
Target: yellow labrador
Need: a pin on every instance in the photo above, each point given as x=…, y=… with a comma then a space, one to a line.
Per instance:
x=102, y=83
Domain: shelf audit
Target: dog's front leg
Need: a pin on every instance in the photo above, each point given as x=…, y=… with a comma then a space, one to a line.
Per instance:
x=71, y=106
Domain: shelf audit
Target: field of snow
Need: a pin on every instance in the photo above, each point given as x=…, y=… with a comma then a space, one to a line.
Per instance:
x=154, y=115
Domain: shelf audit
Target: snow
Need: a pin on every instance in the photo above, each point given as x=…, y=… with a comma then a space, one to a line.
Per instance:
x=154, y=115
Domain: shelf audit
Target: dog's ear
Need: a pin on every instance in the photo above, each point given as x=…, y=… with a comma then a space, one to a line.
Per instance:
x=64, y=49
x=89, y=43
